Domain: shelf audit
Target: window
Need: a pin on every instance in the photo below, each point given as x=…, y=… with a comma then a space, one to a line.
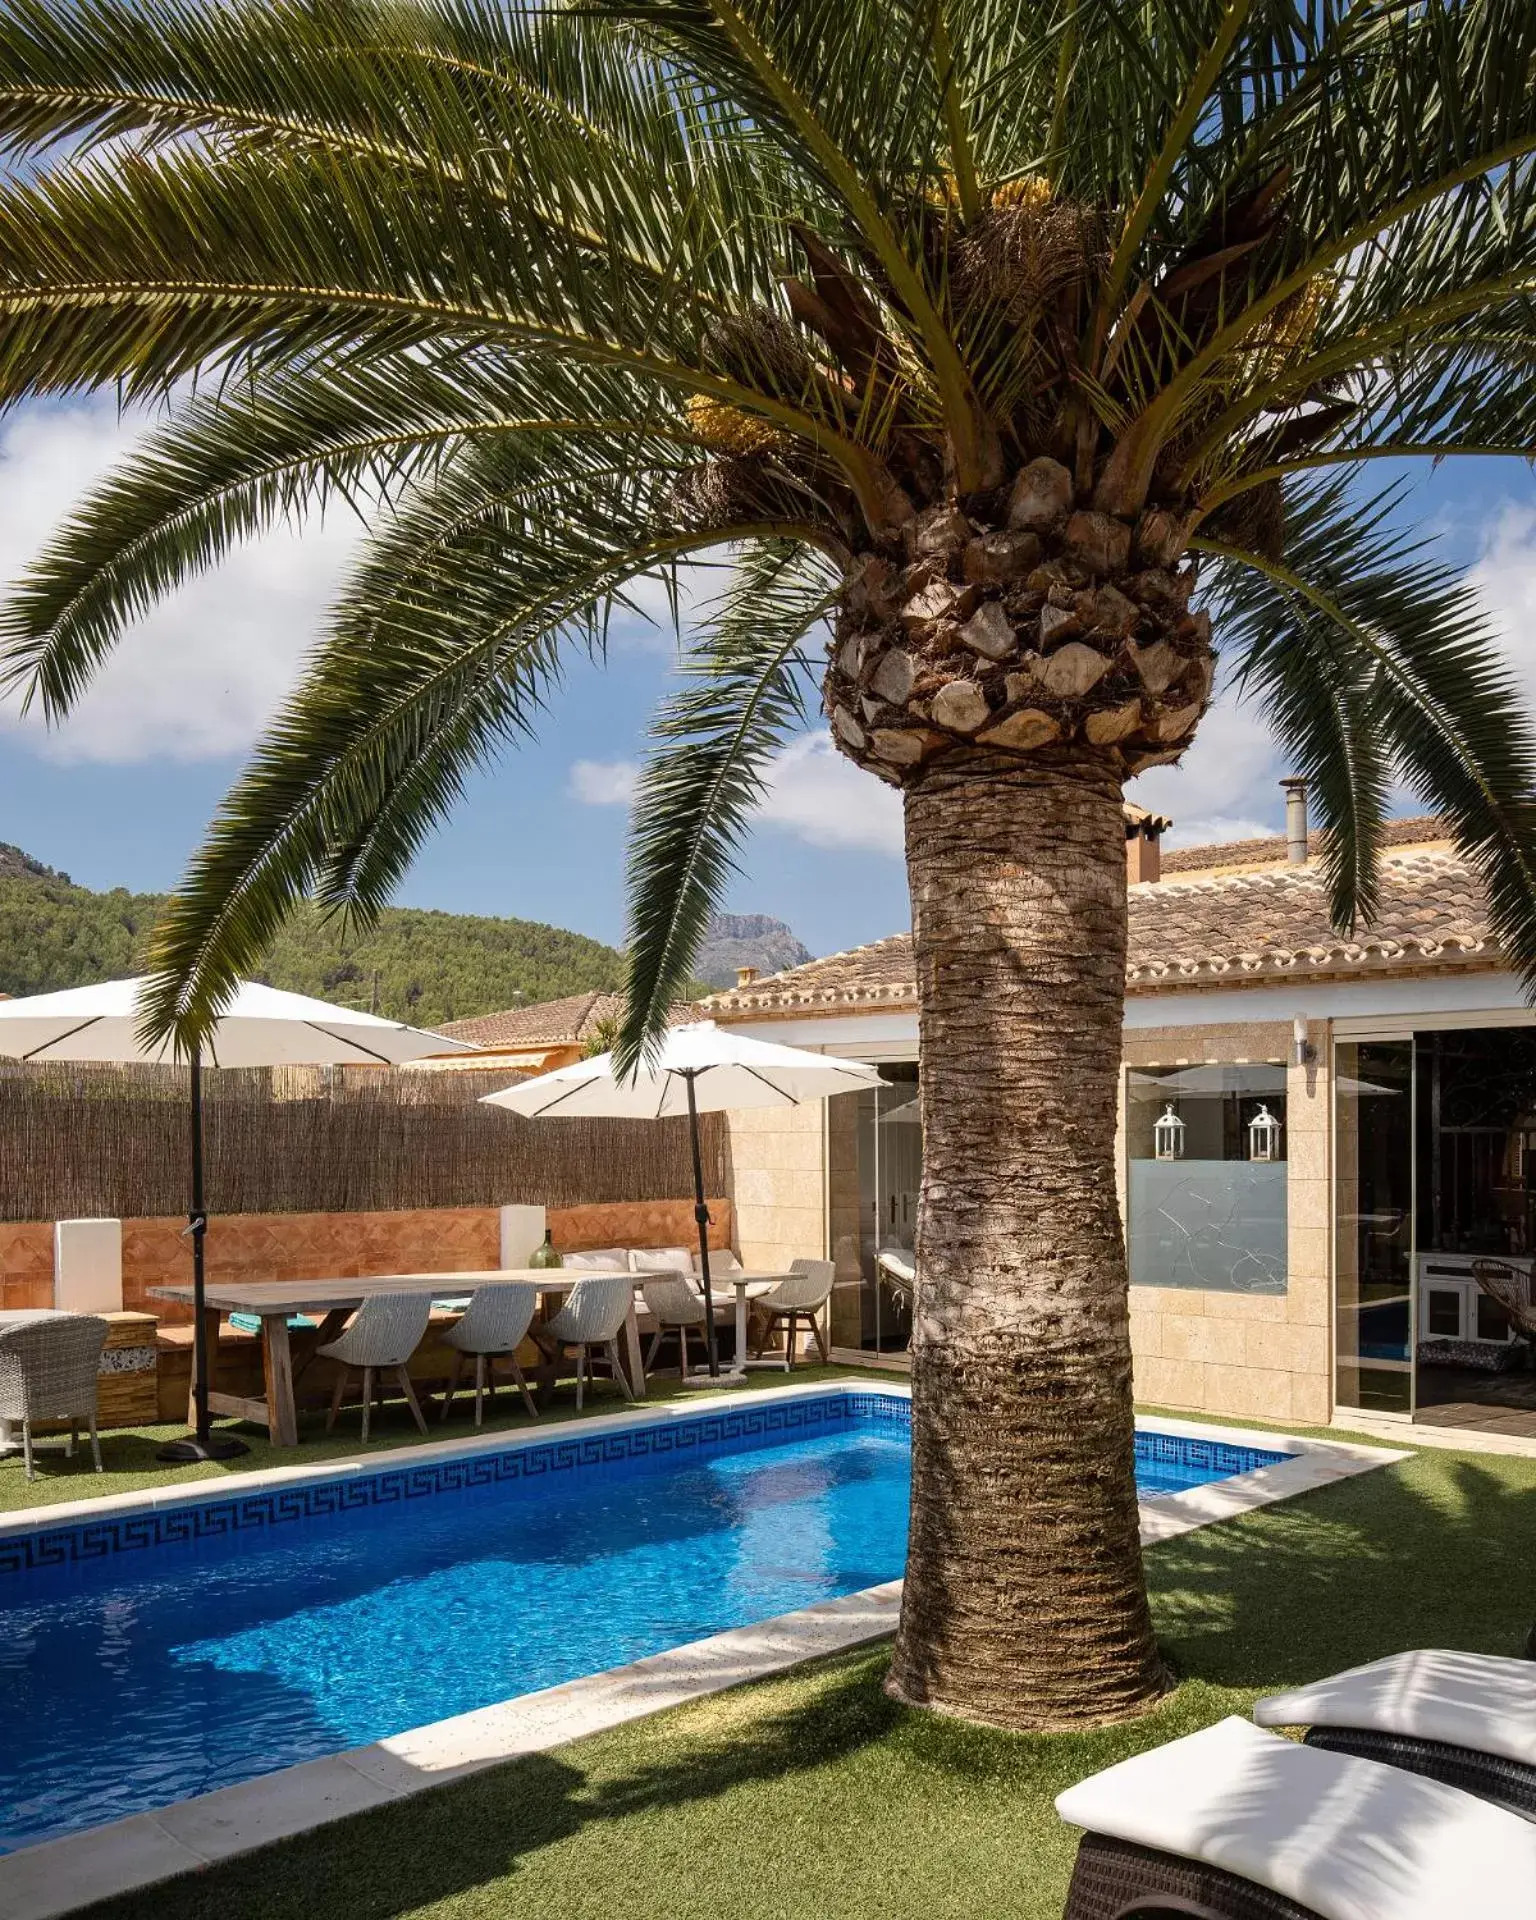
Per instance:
x=1206, y=1191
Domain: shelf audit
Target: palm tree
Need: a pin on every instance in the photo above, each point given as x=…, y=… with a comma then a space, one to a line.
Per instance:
x=1016, y=342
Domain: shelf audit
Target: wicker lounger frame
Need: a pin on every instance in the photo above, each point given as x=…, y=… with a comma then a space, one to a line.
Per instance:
x=1488, y=1776
x=1114, y=1880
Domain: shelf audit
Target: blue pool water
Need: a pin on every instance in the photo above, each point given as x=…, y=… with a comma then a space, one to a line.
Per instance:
x=135, y=1669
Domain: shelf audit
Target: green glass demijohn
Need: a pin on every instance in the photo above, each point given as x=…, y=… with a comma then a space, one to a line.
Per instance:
x=544, y=1256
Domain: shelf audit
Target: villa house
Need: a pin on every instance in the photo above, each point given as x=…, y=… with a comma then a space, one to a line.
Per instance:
x=1320, y=1135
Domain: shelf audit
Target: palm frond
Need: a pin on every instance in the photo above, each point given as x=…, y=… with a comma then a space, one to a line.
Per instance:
x=1415, y=650
x=744, y=694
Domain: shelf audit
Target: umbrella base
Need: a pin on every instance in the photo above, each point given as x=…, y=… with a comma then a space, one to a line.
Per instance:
x=218, y=1446
x=727, y=1377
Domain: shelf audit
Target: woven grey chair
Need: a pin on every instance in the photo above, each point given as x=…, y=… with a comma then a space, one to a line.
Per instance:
x=379, y=1338
x=492, y=1328
x=677, y=1309
x=800, y=1298
x=48, y=1371
x=590, y=1319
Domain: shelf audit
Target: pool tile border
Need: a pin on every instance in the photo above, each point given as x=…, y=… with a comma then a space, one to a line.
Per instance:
x=57, y=1877
x=593, y=1449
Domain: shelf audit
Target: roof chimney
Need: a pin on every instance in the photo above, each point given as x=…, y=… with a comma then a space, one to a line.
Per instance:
x=744, y=977
x=1143, y=844
x=1295, y=821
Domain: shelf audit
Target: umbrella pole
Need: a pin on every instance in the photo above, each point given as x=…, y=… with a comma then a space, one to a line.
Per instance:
x=202, y=1444
x=701, y=1216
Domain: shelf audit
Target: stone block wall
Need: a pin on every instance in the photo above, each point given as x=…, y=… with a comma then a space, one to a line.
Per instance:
x=1266, y=1356
x=779, y=1174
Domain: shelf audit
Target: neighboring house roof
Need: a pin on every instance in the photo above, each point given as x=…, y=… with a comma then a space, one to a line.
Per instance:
x=1421, y=830
x=1211, y=928
x=569, y=1022
x=547, y=1023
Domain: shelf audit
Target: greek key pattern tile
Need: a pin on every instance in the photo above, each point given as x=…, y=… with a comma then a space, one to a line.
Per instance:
x=588, y=1452
x=1211, y=1456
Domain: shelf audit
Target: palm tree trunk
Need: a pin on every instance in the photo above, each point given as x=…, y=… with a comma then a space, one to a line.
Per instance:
x=1025, y=1603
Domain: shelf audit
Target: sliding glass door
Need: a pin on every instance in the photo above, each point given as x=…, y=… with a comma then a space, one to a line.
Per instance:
x=1376, y=1330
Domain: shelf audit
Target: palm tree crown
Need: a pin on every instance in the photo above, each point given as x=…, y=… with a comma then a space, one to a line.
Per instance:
x=986, y=328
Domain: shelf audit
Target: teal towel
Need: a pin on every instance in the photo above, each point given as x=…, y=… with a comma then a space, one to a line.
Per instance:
x=251, y=1322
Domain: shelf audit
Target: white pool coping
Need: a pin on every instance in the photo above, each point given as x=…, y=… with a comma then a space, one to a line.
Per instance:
x=58, y=1877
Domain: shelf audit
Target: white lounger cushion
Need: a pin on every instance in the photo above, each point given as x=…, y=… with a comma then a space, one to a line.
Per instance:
x=1347, y=1838
x=1464, y=1699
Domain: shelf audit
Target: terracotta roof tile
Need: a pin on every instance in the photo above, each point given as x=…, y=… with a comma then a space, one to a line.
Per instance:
x=1221, y=929
x=546, y=1023
x=1419, y=830
x=554, y=1023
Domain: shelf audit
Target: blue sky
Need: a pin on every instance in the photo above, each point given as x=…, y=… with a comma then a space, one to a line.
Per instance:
x=120, y=795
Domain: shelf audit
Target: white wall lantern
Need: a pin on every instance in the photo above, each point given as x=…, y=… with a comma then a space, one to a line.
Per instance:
x=1168, y=1135
x=1263, y=1136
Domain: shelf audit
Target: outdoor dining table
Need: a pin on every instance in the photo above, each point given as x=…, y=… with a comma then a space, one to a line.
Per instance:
x=272, y=1301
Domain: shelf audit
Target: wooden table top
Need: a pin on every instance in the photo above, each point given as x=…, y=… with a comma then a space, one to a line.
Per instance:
x=282, y=1297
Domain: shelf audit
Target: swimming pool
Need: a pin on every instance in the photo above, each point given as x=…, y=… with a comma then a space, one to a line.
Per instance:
x=166, y=1651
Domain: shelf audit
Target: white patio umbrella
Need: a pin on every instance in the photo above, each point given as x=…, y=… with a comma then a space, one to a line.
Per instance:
x=261, y=1027
x=701, y=1068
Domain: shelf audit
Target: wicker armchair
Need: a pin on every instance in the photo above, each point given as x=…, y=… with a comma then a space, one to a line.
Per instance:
x=590, y=1320
x=379, y=1338
x=492, y=1328
x=800, y=1298
x=677, y=1309
x=48, y=1370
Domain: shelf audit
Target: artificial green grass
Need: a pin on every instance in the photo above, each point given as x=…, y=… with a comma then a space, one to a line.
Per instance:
x=812, y=1797
x=130, y=1466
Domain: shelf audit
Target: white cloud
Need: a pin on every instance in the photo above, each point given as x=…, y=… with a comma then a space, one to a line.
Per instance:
x=604, y=783
x=824, y=799
x=1505, y=578
x=1226, y=787
x=812, y=793
x=197, y=678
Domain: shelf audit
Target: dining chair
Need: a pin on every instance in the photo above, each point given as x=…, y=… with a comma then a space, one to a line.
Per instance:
x=799, y=1298
x=590, y=1321
x=379, y=1338
x=492, y=1328
x=677, y=1308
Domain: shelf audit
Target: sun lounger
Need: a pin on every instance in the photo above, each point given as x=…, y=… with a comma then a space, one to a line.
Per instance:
x=1468, y=1719
x=1233, y=1823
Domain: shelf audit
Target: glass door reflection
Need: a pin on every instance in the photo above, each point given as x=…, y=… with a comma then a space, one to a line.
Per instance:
x=1376, y=1312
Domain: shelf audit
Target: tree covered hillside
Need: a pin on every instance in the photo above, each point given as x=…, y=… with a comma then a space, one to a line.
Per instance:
x=430, y=967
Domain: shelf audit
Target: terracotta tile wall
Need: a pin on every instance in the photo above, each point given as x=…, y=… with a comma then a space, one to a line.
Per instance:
x=638, y=1223
x=26, y=1263
x=305, y=1246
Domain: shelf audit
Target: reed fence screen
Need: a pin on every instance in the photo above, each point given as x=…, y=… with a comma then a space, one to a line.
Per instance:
x=113, y=1141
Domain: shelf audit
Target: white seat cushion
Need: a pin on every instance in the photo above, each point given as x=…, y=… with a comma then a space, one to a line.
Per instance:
x=660, y=1260
x=721, y=1260
x=1347, y=1838
x=1464, y=1699
x=598, y=1260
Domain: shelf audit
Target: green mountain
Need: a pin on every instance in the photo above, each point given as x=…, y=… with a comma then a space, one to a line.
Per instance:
x=416, y=965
